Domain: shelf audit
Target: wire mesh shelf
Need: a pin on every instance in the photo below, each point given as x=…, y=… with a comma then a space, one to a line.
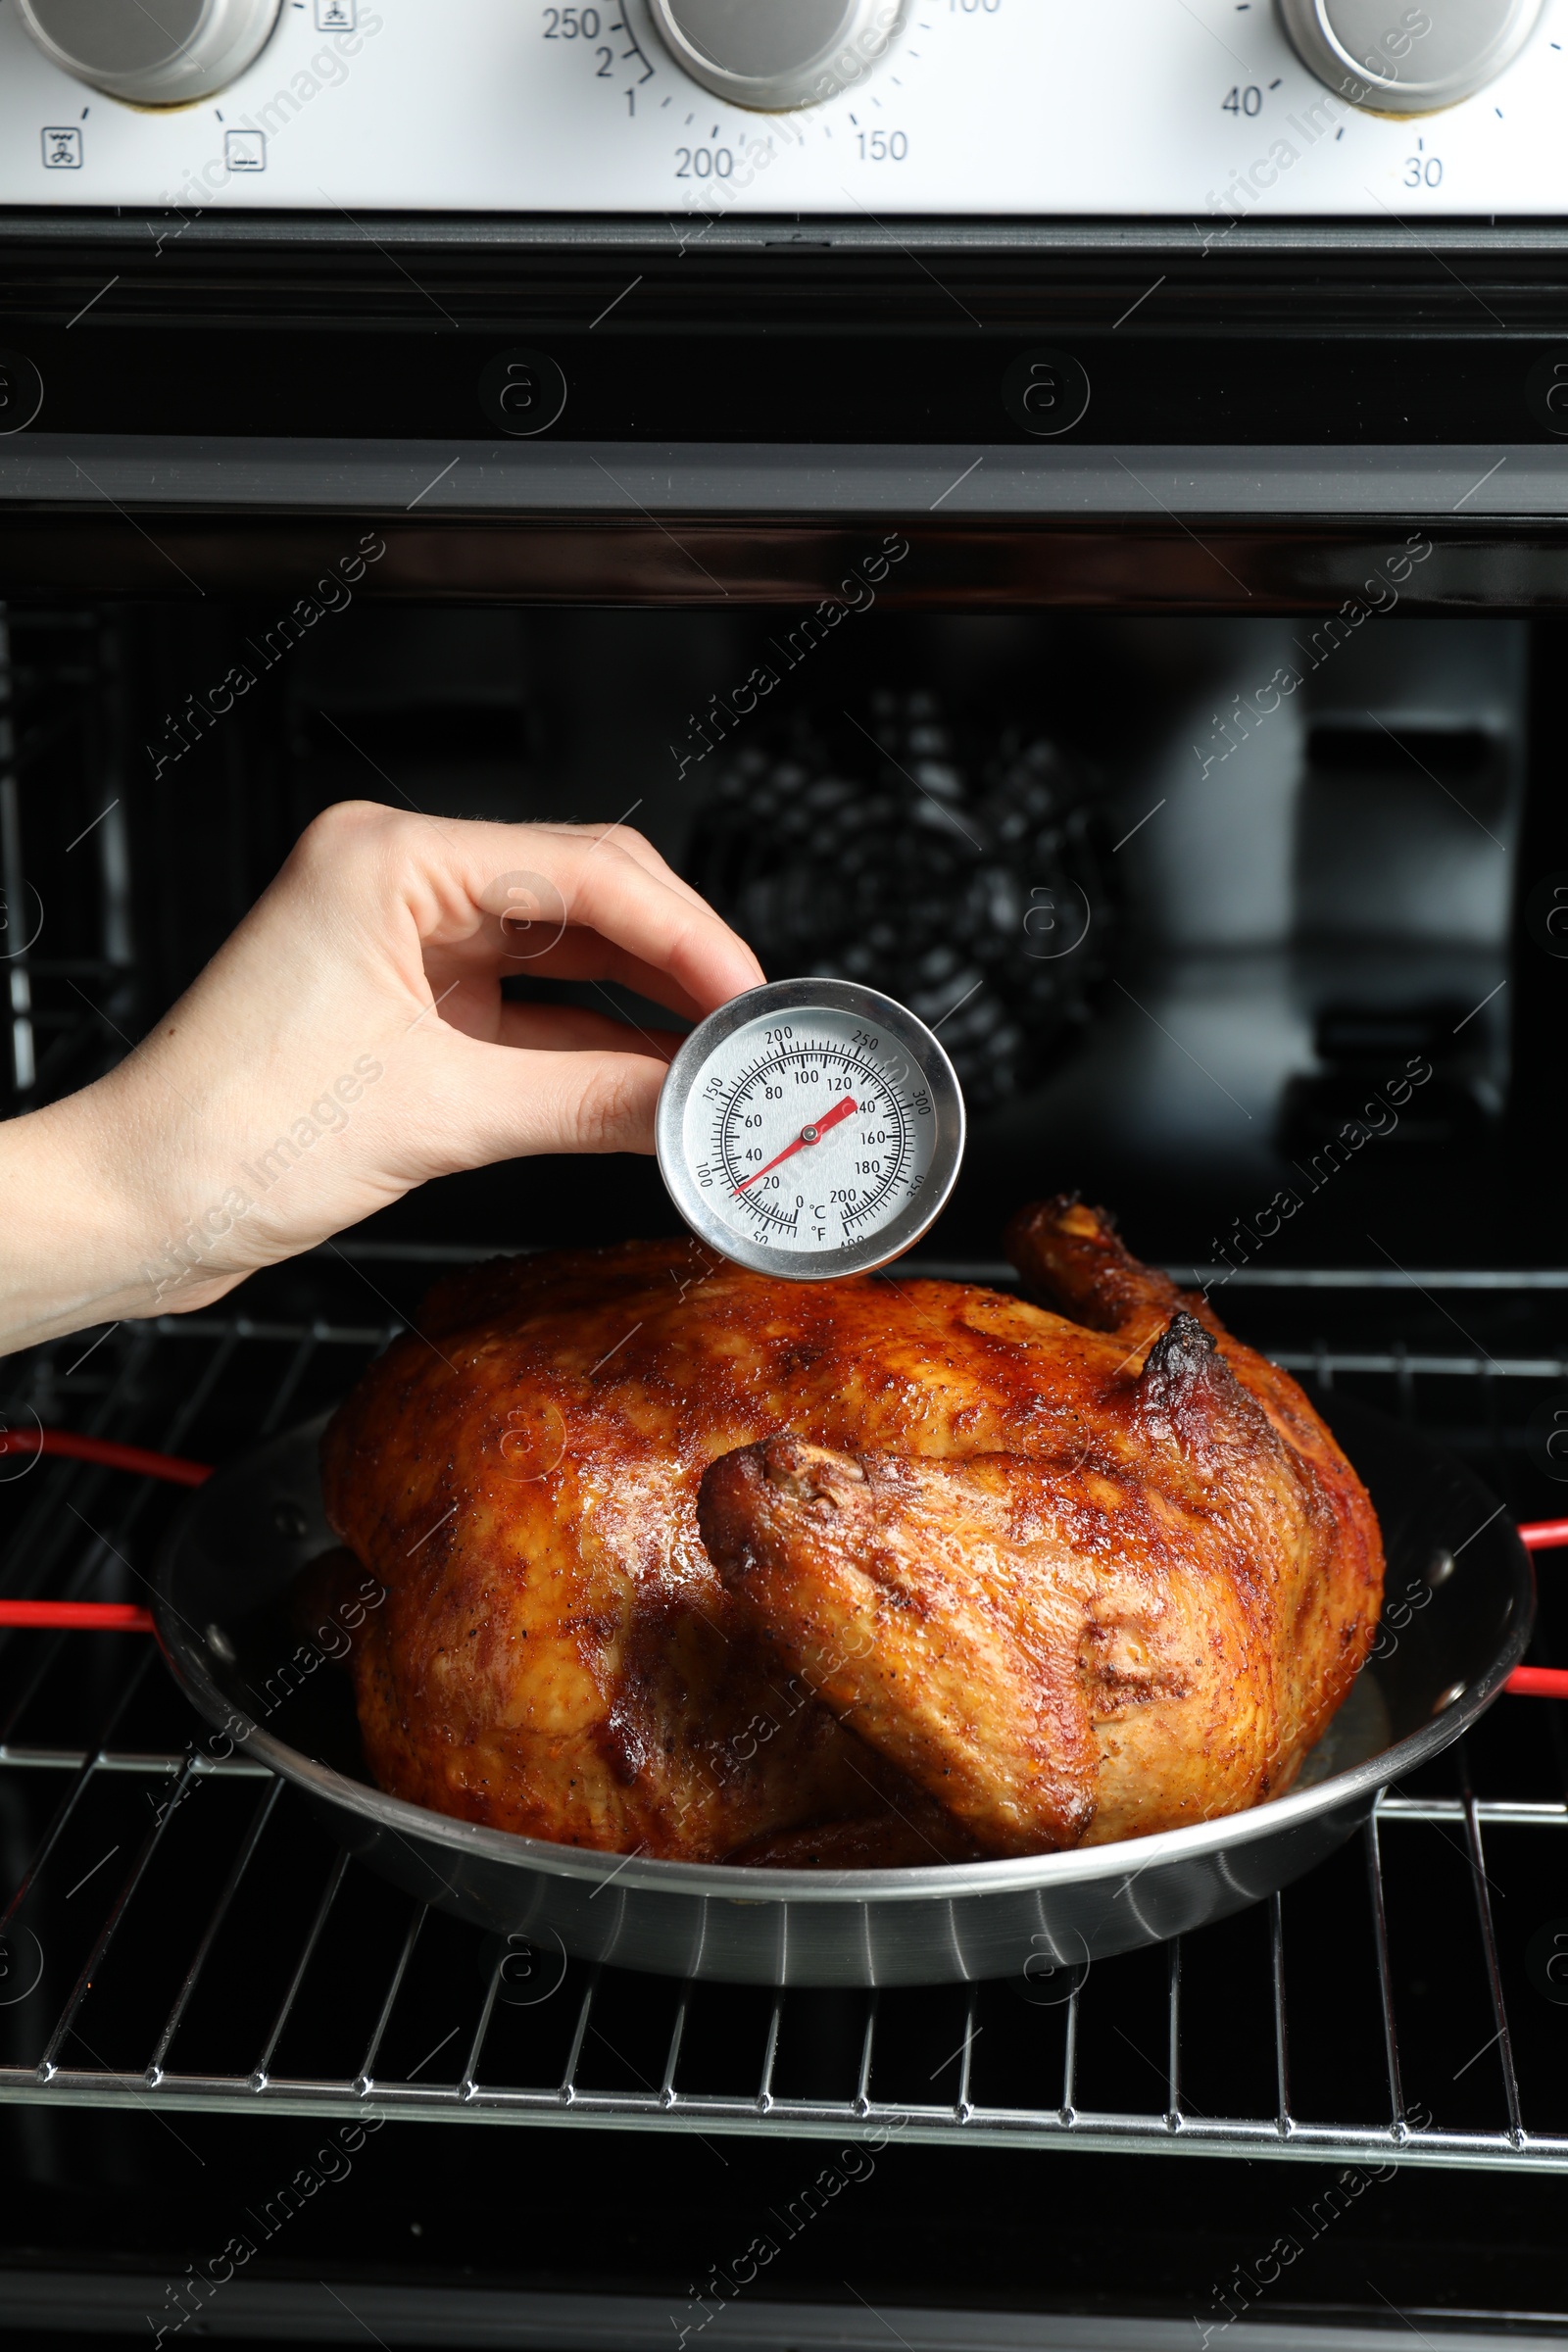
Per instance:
x=183, y=1934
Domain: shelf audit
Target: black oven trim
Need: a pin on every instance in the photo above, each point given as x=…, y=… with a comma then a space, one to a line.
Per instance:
x=1356, y=533
x=1479, y=237
x=1338, y=336
x=166, y=558
x=1392, y=489
x=310, y=2311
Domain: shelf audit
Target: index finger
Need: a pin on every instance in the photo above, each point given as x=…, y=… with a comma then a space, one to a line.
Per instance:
x=592, y=884
x=638, y=846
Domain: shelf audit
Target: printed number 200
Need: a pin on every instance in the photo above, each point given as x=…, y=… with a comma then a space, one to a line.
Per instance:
x=704, y=163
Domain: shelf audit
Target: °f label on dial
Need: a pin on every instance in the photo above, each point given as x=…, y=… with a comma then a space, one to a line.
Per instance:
x=809, y=1130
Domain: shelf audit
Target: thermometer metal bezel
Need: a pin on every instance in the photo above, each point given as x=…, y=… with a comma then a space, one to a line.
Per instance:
x=914, y=1039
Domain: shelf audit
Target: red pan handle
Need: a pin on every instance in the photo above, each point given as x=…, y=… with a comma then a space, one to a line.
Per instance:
x=101, y=1616
x=92, y=1616
x=104, y=1450
x=1525, y=1682
x=1540, y=1681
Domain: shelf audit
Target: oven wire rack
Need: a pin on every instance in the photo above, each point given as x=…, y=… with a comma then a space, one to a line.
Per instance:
x=223, y=1956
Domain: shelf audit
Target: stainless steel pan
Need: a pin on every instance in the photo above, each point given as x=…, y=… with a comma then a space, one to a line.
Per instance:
x=1457, y=1616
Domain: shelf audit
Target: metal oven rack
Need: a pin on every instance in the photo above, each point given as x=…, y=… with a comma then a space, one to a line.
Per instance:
x=181, y=1935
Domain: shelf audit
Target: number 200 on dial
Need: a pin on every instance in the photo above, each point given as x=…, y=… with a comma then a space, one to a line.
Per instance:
x=811, y=1129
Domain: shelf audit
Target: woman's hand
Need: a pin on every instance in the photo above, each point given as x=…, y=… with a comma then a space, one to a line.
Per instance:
x=349, y=1042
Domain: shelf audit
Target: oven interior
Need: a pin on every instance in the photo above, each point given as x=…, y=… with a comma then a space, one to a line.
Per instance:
x=1270, y=969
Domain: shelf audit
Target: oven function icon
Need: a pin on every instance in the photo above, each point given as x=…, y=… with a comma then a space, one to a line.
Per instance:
x=245, y=150
x=61, y=150
x=336, y=16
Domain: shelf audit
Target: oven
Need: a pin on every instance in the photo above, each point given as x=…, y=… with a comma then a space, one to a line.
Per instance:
x=1061, y=515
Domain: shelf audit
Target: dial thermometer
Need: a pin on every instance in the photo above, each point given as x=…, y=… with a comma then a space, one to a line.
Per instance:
x=811, y=1129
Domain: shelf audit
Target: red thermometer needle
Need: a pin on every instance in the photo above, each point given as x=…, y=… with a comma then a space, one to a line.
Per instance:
x=807, y=1135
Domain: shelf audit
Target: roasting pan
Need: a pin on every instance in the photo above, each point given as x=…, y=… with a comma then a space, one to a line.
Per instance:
x=1457, y=1616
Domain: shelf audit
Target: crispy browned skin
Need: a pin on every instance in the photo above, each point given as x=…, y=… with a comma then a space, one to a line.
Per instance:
x=971, y=1577
x=933, y=1610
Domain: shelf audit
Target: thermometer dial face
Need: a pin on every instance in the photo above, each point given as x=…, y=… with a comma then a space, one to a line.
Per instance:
x=811, y=1129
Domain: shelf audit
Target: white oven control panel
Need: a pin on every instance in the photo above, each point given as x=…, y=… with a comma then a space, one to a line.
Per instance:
x=1211, y=111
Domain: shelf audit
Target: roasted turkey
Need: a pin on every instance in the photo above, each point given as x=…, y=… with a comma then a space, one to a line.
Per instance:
x=684, y=1561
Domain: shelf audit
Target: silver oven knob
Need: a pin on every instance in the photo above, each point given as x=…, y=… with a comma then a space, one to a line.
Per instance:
x=777, y=53
x=158, y=54
x=1398, y=59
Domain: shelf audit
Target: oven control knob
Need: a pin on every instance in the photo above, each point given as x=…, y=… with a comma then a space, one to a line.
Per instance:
x=159, y=56
x=777, y=53
x=1395, y=58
